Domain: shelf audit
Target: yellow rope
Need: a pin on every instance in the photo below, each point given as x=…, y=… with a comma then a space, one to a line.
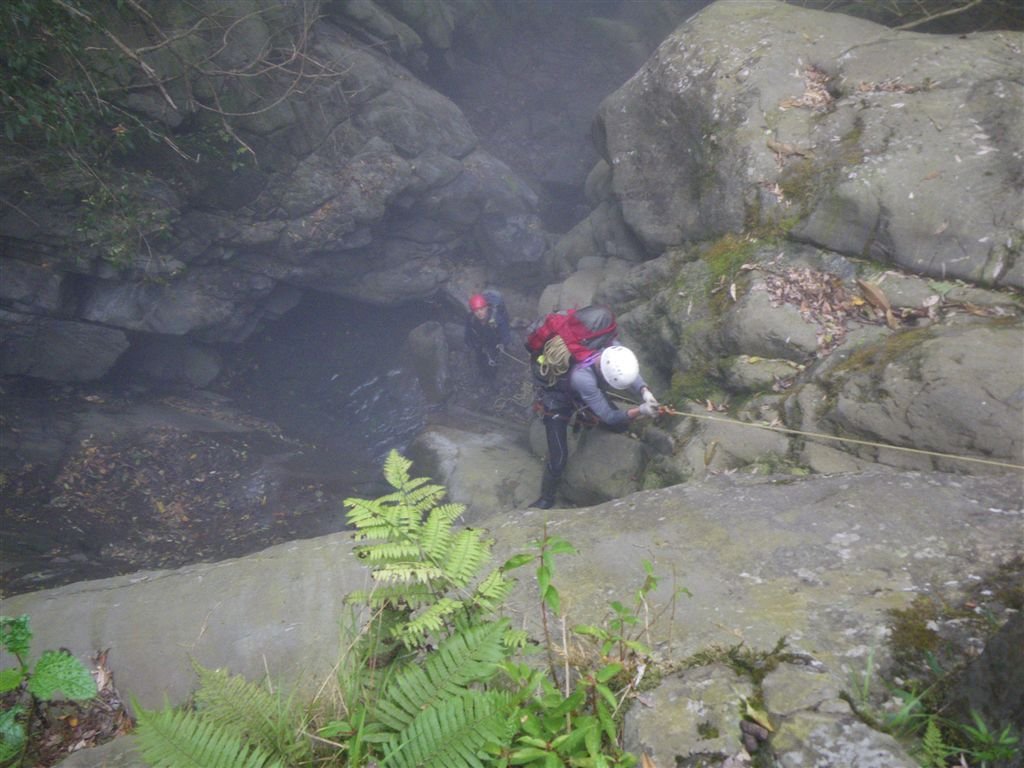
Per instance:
x=821, y=436
x=521, y=399
x=555, y=361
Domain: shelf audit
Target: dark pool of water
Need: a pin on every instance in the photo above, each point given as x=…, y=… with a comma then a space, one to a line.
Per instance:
x=330, y=395
x=332, y=372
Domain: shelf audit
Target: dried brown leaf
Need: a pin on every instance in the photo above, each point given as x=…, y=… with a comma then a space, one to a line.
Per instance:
x=874, y=295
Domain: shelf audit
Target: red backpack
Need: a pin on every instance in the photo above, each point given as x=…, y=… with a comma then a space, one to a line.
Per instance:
x=584, y=331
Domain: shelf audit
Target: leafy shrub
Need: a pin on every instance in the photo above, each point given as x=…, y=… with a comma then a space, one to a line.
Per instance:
x=435, y=677
x=55, y=673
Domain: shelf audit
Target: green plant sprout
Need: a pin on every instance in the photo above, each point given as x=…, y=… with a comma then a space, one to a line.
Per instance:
x=55, y=673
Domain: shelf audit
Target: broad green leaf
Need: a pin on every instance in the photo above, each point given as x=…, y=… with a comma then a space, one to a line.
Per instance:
x=15, y=635
x=606, y=692
x=518, y=561
x=559, y=546
x=552, y=599
x=60, y=671
x=12, y=732
x=10, y=679
x=608, y=672
x=527, y=756
x=543, y=579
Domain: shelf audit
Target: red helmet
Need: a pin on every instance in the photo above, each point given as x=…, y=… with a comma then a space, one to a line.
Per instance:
x=477, y=301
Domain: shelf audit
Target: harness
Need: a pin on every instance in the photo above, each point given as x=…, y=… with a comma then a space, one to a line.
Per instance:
x=553, y=375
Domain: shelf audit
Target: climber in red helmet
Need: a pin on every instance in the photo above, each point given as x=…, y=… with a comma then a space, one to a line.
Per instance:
x=487, y=331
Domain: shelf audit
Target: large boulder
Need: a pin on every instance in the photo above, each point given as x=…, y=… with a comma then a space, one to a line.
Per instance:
x=897, y=146
x=491, y=473
x=427, y=350
x=355, y=179
x=819, y=561
x=64, y=350
x=953, y=389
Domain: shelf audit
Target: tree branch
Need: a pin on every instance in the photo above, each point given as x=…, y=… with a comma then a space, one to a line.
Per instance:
x=932, y=16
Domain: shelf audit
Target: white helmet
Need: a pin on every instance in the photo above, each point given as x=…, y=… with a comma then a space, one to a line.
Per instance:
x=619, y=367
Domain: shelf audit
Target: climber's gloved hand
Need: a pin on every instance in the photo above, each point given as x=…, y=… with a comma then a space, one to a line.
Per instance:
x=500, y=347
x=650, y=410
x=649, y=398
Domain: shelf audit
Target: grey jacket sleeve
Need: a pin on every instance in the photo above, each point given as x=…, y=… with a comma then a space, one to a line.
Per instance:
x=583, y=380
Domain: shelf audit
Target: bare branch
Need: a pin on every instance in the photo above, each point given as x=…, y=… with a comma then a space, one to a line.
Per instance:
x=148, y=70
x=932, y=16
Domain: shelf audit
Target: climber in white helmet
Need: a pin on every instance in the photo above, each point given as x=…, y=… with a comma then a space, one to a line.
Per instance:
x=614, y=367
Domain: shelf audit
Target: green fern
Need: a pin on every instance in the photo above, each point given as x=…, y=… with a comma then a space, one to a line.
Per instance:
x=470, y=657
x=171, y=738
x=454, y=733
x=267, y=719
x=934, y=750
x=428, y=681
x=422, y=569
x=433, y=620
x=392, y=595
x=431, y=587
x=465, y=557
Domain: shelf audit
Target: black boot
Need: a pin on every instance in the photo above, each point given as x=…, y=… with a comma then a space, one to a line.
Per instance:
x=548, y=487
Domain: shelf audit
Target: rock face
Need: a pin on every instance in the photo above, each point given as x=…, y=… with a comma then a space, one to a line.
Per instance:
x=365, y=183
x=307, y=153
x=817, y=560
x=843, y=150
x=810, y=228
x=991, y=684
x=847, y=152
x=900, y=147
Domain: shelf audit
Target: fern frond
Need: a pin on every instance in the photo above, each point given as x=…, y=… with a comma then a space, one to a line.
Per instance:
x=170, y=738
x=432, y=619
x=452, y=734
x=265, y=718
x=934, y=750
x=467, y=555
x=450, y=512
x=472, y=656
x=516, y=639
x=492, y=591
x=413, y=572
x=389, y=550
x=396, y=469
x=420, y=501
x=390, y=595
x=368, y=518
x=436, y=535
x=384, y=518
